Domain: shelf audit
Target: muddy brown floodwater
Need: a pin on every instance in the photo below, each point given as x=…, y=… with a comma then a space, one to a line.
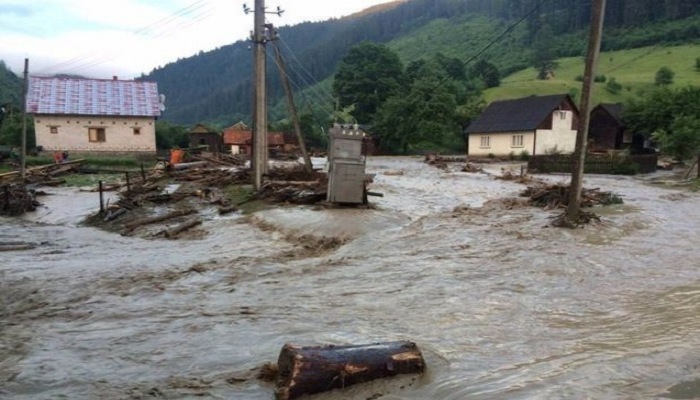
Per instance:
x=502, y=306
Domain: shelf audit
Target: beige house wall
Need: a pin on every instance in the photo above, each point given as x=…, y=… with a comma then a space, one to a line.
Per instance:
x=72, y=133
x=501, y=144
x=561, y=136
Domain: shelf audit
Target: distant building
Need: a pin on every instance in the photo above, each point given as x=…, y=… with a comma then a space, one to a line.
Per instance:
x=238, y=139
x=203, y=135
x=94, y=115
x=536, y=125
x=606, y=130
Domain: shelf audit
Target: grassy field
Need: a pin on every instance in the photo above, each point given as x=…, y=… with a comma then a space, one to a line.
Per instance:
x=634, y=69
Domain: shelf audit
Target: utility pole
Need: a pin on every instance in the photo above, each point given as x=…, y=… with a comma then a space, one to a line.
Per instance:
x=260, y=154
x=291, y=106
x=571, y=217
x=260, y=151
x=23, y=155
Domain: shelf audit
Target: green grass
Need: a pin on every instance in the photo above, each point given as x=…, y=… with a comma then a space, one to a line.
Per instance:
x=82, y=180
x=240, y=194
x=634, y=69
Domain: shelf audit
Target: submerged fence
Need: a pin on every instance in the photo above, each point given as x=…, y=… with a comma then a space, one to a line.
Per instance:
x=615, y=164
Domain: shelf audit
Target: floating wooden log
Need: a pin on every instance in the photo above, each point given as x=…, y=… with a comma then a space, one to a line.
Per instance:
x=182, y=227
x=310, y=370
x=114, y=214
x=16, y=246
x=227, y=209
x=152, y=220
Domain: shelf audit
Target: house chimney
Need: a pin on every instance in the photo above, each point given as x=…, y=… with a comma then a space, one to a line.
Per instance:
x=114, y=77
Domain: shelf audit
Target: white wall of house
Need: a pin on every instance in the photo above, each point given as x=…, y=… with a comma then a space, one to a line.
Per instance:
x=73, y=133
x=501, y=144
x=561, y=136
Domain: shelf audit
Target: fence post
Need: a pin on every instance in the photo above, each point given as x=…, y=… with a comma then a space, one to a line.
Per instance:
x=128, y=184
x=102, y=204
x=143, y=173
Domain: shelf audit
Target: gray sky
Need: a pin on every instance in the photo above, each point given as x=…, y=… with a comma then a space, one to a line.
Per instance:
x=99, y=38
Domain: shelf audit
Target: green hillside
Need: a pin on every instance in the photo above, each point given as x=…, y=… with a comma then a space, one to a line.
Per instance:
x=634, y=69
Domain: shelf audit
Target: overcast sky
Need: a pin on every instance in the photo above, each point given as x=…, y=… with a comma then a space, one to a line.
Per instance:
x=100, y=39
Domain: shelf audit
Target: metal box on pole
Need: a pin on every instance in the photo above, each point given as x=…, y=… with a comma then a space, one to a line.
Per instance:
x=346, y=165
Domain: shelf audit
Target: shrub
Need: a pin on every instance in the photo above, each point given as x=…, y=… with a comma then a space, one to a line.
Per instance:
x=664, y=76
x=613, y=86
x=491, y=155
x=524, y=155
x=697, y=64
x=600, y=78
x=579, y=78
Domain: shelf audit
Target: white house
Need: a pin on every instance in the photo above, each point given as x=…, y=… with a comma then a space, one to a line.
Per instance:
x=94, y=115
x=536, y=125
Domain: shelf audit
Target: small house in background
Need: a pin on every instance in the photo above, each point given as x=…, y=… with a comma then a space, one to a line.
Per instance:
x=203, y=135
x=94, y=115
x=238, y=139
x=536, y=125
x=606, y=130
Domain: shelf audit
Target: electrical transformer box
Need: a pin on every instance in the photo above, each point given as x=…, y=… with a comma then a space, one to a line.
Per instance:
x=346, y=165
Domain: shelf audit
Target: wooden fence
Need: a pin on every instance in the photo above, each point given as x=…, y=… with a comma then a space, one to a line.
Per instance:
x=615, y=164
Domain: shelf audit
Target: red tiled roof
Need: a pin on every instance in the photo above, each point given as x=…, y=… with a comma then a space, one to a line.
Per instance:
x=77, y=96
x=232, y=136
x=237, y=137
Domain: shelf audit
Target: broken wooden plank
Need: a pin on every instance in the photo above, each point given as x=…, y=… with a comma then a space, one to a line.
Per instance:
x=310, y=370
x=169, y=233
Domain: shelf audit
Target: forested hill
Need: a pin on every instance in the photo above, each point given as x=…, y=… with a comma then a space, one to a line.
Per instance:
x=10, y=87
x=216, y=86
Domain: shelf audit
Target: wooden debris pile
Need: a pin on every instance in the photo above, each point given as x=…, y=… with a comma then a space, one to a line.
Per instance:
x=293, y=185
x=441, y=162
x=473, y=168
x=223, y=159
x=552, y=196
x=45, y=175
x=522, y=177
x=16, y=199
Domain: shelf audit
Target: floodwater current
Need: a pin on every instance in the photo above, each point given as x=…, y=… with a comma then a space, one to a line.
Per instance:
x=503, y=306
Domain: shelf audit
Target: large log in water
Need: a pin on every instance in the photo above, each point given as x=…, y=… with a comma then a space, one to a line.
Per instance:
x=152, y=220
x=309, y=370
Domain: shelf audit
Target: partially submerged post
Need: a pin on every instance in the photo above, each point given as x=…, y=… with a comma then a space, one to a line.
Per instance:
x=573, y=210
x=346, y=165
x=102, y=204
x=310, y=370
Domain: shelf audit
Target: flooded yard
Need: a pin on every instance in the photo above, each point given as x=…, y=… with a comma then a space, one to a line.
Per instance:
x=502, y=305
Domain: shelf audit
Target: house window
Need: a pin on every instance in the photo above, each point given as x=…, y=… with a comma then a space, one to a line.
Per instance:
x=53, y=129
x=485, y=141
x=627, y=137
x=516, y=141
x=562, y=115
x=97, y=135
x=137, y=131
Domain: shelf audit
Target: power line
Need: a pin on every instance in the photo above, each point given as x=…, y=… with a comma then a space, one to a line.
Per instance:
x=309, y=74
x=298, y=88
x=496, y=40
x=200, y=8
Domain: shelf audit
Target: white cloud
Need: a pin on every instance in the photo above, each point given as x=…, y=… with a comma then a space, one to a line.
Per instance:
x=130, y=37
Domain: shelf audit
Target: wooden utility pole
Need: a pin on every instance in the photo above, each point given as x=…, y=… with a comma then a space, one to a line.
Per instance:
x=260, y=151
x=23, y=155
x=292, y=107
x=596, y=32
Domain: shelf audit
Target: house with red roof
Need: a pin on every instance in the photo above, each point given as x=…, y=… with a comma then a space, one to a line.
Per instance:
x=238, y=139
x=94, y=115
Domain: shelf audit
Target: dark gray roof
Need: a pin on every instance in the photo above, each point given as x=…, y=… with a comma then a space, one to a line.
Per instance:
x=614, y=109
x=524, y=114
